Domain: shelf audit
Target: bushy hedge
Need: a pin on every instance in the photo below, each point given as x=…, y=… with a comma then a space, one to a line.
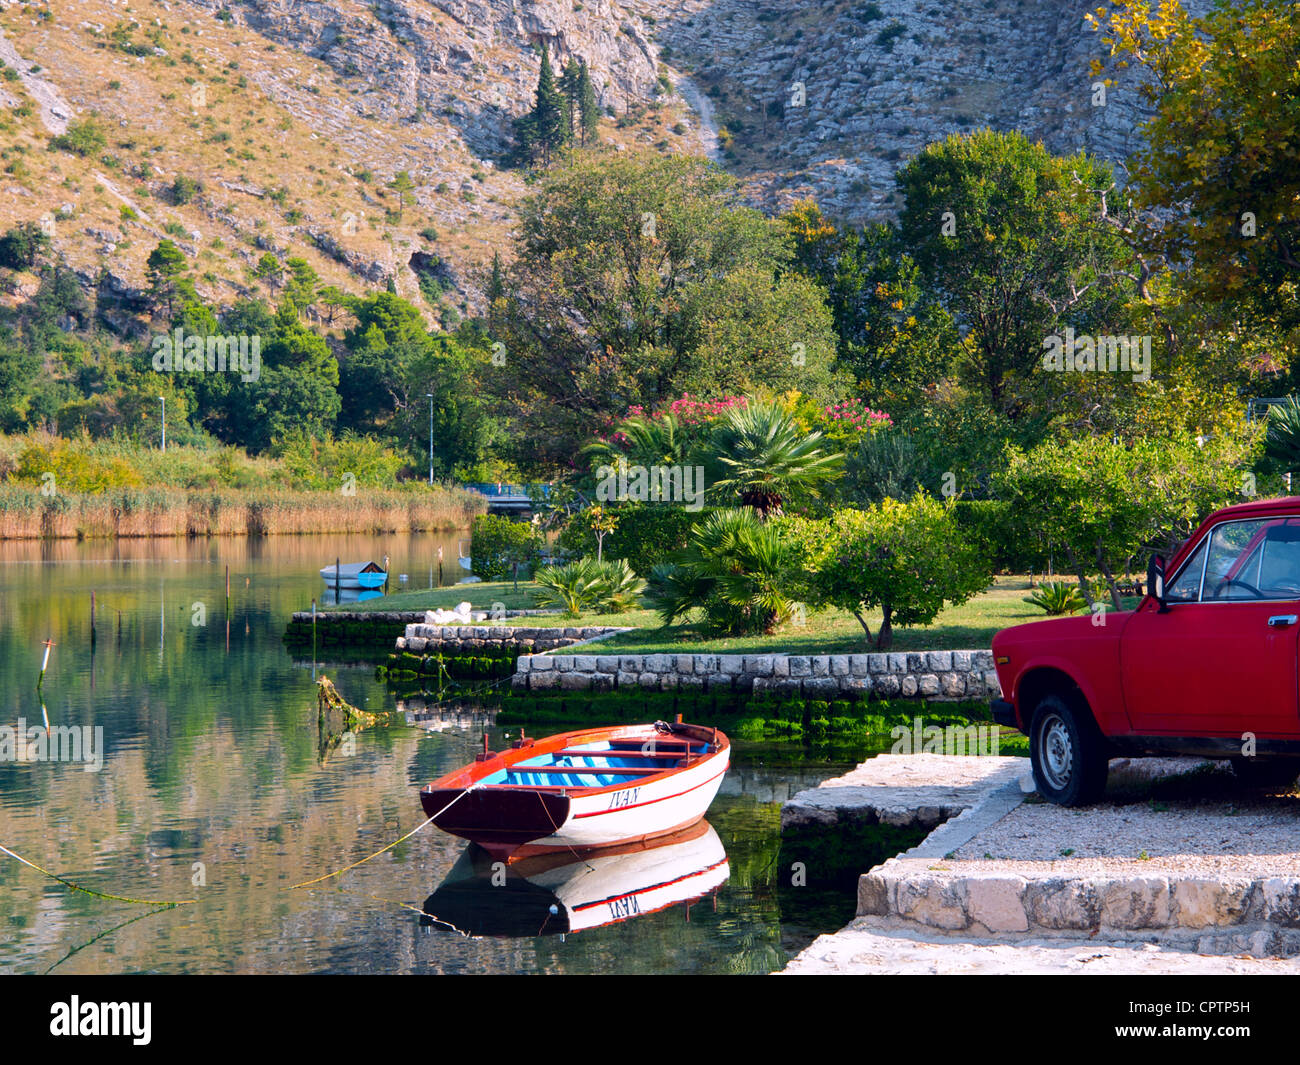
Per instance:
x=496, y=543
x=647, y=533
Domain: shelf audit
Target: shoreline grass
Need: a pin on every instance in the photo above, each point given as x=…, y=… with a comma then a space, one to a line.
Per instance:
x=26, y=514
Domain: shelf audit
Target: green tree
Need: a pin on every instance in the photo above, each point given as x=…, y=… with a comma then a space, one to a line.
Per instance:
x=301, y=288
x=588, y=108
x=23, y=246
x=543, y=131
x=1100, y=503
x=905, y=559
x=637, y=275
x=388, y=337
x=82, y=138
x=646, y=440
x=467, y=431
x=296, y=391
x=894, y=337
x=164, y=267
x=184, y=189
x=269, y=269
x=571, y=89
x=1009, y=237
x=498, y=545
x=20, y=369
x=1282, y=442
x=1218, y=172
x=734, y=569
x=335, y=301
x=405, y=189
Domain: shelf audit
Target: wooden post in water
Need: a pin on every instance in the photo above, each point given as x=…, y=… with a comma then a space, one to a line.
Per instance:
x=44, y=662
x=227, y=589
x=338, y=566
x=92, y=617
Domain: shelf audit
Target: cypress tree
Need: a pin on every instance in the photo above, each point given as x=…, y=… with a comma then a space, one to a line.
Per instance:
x=571, y=87
x=548, y=112
x=589, y=110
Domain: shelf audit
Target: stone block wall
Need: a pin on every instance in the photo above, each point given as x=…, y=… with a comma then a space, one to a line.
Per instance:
x=421, y=639
x=929, y=675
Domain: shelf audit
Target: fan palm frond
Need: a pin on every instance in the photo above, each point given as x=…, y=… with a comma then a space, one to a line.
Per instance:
x=765, y=457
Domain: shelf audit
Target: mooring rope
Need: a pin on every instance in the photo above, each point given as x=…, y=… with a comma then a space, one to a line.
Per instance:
x=292, y=887
x=422, y=824
x=97, y=894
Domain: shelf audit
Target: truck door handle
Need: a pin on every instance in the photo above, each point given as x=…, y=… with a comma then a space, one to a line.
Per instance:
x=1279, y=621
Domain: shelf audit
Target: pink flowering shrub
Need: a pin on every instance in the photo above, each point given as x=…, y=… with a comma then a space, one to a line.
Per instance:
x=691, y=411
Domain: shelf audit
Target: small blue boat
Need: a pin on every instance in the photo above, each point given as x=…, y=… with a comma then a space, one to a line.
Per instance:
x=355, y=575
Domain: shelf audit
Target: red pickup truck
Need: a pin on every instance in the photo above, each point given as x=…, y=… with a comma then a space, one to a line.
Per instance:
x=1208, y=664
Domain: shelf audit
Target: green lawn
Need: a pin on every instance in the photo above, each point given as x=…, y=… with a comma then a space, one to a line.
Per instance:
x=970, y=625
x=481, y=596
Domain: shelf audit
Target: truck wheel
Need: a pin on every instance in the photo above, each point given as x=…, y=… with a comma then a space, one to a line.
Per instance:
x=1266, y=772
x=1067, y=753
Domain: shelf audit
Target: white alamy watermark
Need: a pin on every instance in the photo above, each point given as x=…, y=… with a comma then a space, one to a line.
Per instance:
x=945, y=739
x=240, y=354
x=1102, y=354
x=59, y=743
x=77, y=1018
x=653, y=484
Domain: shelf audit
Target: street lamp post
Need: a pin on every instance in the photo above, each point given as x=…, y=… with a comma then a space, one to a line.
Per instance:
x=430, y=395
x=164, y=422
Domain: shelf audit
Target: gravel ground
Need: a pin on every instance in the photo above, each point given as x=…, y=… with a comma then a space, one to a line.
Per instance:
x=1203, y=822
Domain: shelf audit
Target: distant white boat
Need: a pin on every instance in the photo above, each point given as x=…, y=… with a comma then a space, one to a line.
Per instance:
x=355, y=575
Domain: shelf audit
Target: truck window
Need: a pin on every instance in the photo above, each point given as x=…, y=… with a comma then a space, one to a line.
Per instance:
x=1253, y=560
x=1186, y=587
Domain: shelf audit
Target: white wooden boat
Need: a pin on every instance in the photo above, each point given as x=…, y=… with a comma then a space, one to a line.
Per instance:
x=593, y=788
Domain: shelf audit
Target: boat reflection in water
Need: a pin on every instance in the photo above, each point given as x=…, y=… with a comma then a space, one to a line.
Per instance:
x=347, y=595
x=559, y=893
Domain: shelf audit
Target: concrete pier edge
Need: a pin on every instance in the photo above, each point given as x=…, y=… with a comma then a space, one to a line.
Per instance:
x=916, y=897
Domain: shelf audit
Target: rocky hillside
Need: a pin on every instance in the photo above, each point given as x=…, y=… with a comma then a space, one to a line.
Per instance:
x=827, y=99
x=292, y=116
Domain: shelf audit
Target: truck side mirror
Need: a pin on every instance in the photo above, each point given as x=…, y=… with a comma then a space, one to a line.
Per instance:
x=1156, y=581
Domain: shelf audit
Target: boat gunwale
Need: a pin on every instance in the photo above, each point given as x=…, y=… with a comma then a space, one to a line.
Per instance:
x=468, y=776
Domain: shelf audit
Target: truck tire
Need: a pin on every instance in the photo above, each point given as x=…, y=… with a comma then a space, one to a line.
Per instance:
x=1277, y=773
x=1067, y=753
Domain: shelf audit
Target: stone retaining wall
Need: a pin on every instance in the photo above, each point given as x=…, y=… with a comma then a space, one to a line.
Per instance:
x=367, y=627
x=422, y=639
x=930, y=675
x=1258, y=915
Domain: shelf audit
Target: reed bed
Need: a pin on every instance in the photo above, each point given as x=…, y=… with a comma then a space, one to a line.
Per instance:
x=26, y=514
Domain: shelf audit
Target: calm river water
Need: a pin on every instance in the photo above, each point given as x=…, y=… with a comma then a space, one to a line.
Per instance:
x=212, y=788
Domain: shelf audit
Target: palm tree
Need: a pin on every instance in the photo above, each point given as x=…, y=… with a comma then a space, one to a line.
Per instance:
x=661, y=441
x=766, y=457
x=734, y=568
x=1282, y=444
